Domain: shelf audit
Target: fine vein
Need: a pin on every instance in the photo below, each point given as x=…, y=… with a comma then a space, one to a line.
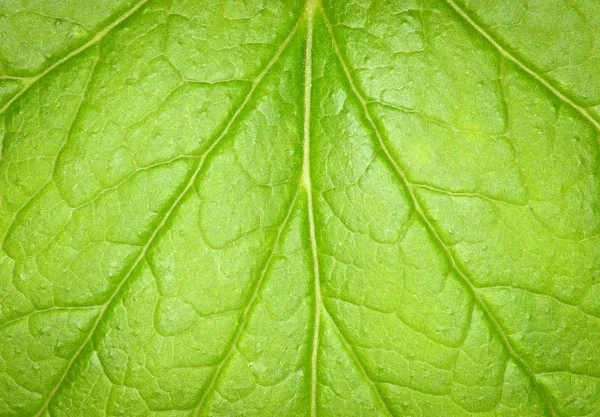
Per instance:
x=504, y=52
x=431, y=229
x=58, y=152
x=99, y=36
x=249, y=305
x=358, y=362
x=169, y=213
x=42, y=311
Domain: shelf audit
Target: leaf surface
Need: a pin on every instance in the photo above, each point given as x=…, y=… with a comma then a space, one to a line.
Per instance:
x=271, y=208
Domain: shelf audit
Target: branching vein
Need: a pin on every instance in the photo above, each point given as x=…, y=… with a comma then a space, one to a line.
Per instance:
x=249, y=306
x=99, y=36
x=187, y=189
x=504, y=52
x=428, y=224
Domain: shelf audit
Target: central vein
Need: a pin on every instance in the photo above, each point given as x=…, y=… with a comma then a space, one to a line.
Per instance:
x=306, y=182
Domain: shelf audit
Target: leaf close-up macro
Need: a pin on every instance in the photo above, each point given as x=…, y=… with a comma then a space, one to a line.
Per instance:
x=361, y=208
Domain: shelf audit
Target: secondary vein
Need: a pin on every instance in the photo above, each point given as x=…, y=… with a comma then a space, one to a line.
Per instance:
x=504, y=52
x=170, y=211
x=249, y=306
x=97, y=38
x=429, y=226
x=358, y=362
x=59, y=152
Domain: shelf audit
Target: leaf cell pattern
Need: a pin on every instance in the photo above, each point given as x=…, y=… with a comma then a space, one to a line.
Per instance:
x=278, y=208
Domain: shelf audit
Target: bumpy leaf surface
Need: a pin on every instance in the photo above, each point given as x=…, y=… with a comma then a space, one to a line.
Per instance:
x=271, y=208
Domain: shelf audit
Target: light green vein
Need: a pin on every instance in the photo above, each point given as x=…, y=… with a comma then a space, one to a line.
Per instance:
x=504, y=52
x=2, y=134
x=306, y=181
x=358, y=362
x=249, y=306
x=431, y=229
x=99, y=36
x=571, y=374
x=170, y=211
x=27, y=316
x=62, y=146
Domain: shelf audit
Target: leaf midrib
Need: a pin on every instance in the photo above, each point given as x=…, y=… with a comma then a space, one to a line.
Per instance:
x=307, y=182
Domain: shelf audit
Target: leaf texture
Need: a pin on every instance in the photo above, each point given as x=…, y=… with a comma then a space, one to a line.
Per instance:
x=278, y=208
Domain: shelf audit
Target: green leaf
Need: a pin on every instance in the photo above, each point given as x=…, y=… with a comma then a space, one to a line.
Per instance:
x=271, y=208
